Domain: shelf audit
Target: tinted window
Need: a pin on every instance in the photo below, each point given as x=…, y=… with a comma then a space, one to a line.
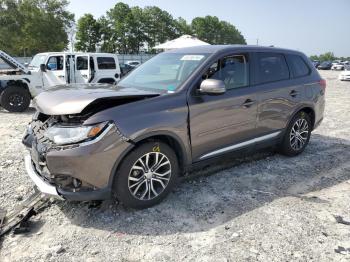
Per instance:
x=298, y=65
x=272, y=67
x=106, y=63
x=55, y=63
x=82, y=63
x=233, y=70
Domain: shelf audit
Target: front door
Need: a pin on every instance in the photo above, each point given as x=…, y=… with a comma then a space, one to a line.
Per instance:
x=55, y=71
x=82, y=73
x=221, y=123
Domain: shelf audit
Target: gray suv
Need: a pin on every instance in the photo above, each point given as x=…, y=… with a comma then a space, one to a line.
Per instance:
x=181, y=108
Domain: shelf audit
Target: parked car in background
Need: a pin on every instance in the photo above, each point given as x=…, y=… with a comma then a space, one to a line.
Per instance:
x=125, y=69
x=337, y=66
x=325, y=66
x=46, y=70
x=345, y=75
x=183, y=108
x=316, y=63
x=133, y=63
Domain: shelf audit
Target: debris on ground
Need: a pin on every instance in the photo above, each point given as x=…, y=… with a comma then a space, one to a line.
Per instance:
x=341, y=220
x=18, y=220
x=342, y=250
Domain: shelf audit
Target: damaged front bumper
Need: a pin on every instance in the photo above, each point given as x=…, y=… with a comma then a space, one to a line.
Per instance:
x=42, y=185
x=81, y=172
x=56, y=192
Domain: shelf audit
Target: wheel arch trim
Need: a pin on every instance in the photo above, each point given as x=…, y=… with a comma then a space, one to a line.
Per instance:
x=301, y=108
x=185, y=153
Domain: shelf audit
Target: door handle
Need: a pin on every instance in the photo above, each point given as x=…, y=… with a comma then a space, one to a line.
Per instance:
x=293, y=93
x=248, y=103
x=61, y=76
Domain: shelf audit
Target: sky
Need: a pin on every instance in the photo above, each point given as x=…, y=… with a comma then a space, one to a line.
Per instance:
x=310, y=26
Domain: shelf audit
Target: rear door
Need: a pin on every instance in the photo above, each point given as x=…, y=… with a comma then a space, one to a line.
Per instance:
x=278, y=95
x=107, y=70
x=82, y=69
x=221, y=123
x=55, y=71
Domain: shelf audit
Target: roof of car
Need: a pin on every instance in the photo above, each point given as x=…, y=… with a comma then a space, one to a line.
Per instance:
x=75, y=53
x=219, y=48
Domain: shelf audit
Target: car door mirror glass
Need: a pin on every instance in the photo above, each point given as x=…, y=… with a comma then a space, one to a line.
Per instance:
x=43, y=67
x=212, y=87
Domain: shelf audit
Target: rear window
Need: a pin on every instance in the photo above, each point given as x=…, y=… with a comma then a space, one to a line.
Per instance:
x=271, y=67
x=298, y=66
x=106, y=63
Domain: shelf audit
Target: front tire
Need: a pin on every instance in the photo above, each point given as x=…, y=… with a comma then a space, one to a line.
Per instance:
x=146, y=175
x=297, y=135
x=15, y=99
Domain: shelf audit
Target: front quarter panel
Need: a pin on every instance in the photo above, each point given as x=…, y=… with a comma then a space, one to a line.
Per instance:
x=163, y=115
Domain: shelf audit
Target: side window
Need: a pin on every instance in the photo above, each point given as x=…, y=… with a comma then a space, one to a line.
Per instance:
x=271, y=67
x=55, y=63
x=232, y=70
x=82, y=63
x=106, y=63
x=298, y=65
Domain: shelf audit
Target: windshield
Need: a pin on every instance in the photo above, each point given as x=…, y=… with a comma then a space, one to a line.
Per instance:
x=166, y=71
x=37, y=61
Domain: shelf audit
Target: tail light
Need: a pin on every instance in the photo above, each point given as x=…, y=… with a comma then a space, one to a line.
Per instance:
x=323, y=83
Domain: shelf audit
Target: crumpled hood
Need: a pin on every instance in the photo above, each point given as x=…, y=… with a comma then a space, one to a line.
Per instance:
x=74, y=98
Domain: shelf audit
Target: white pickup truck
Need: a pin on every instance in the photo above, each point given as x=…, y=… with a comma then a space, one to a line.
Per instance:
x=20, y=84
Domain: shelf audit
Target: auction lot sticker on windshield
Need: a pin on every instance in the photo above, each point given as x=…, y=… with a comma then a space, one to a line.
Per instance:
x=192, y=57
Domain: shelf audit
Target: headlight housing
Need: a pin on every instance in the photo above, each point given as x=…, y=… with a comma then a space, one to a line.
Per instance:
x=64, y=135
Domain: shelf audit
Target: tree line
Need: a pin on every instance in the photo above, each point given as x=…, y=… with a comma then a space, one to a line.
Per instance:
x=328, y=56
x=131, y=30
x=32, y=26
x=28, y=27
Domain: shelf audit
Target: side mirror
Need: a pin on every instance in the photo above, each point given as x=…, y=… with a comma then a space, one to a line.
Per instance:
x=212, y=87
x=42, y=67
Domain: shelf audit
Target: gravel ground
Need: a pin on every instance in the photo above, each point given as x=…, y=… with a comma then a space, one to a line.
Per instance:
x=266, y=207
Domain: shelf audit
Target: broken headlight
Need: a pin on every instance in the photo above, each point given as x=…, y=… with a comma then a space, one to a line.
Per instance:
x=64, y=135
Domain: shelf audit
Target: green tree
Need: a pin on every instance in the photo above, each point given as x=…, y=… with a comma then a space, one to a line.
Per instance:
x=32, y=26
x=182, y=28
x=210, y=29
x=126, y=29
x=329, y=56
x=88, y=34
x=161, y=26
x=118, y=18
x=107, y=43
x=314, y=57
x=137, y=26
x=228, y=34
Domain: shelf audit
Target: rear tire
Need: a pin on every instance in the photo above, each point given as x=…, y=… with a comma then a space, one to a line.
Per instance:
x=146, y=175
x=15, y=99
x=297, y=135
